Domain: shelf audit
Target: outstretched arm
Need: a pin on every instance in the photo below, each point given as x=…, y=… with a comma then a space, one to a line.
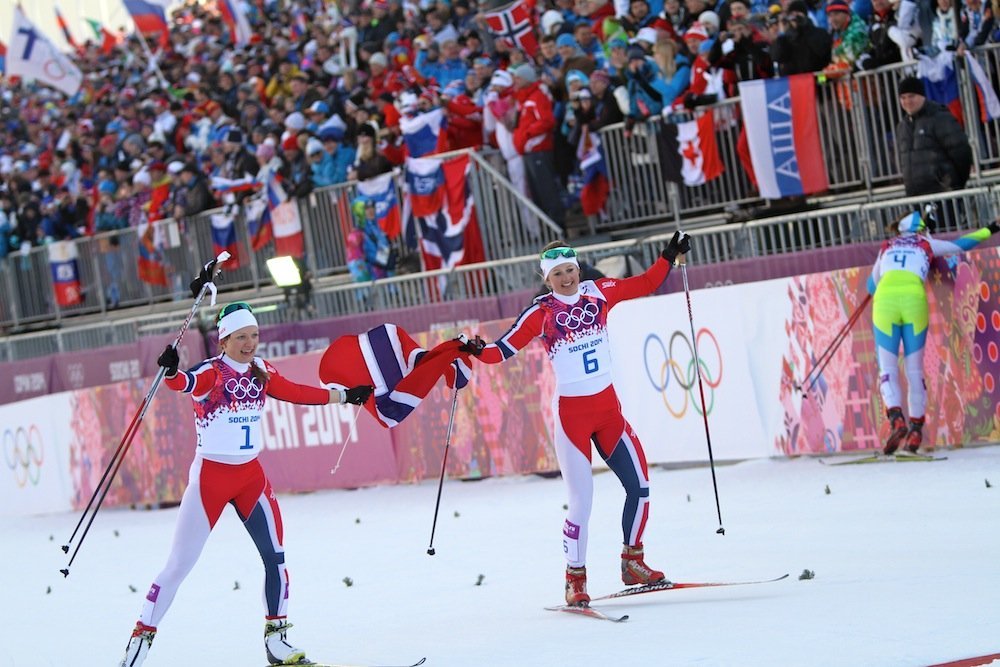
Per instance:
x=964, y=243
x=527, y=327
x=646, y=283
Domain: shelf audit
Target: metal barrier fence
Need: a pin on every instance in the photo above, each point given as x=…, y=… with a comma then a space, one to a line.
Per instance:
x=967, y=209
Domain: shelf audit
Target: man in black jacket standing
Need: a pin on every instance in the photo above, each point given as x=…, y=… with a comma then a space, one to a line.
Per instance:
x=934, y=153
x=800, y=46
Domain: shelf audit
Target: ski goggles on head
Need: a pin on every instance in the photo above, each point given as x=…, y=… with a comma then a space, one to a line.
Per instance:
x=556, y=253
x=233, y=307
x=555, y=257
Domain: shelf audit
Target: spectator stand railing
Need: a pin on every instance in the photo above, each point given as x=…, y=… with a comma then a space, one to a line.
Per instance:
x=858, y=114
x=865, y=222
x=26, y=288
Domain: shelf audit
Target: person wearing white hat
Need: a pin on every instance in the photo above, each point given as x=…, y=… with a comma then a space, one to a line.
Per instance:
x=572, y=322
x=229, y=392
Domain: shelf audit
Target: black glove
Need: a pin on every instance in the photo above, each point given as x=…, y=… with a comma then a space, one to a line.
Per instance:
x=169, y=360
x=358, y=395
x=994, y=227
x=680, y=244
x=203, y=278
x=473, y=346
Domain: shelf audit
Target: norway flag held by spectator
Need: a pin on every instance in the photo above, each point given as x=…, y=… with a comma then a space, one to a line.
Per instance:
x=151, y=266
x=236, y=21
x=402, y=372
x=65, y=272
x=382, y=191
x=448, y=235
x=224, y=237
x=594, y=170
x=285, y=222
x=423, y=133
x=783, y=135
x=514, y=22
x=149, y=18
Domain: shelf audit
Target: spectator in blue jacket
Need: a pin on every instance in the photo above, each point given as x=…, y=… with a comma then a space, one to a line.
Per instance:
x=443, y=65
x=341, y=155
x=647, y=91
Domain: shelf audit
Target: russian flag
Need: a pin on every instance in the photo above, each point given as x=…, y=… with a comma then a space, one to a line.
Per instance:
x=422, y=133
x=3, y=56
x=424, y=185
x=151, y=267
x=783, y=135
x=148, y=17
x=382, y=191
x=989, y=104
x=224, y=237
x=594, y=170
x=285, y=222
x=941, y=81
x=299, y=24
x=236, y=20
x=65, y=272
x=402, y=372
x=258, y=221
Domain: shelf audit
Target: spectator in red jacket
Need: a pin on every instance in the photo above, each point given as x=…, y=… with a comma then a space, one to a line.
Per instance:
x=534, y=140
x=465, y=119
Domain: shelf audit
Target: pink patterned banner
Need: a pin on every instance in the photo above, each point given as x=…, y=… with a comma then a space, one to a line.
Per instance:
x=843, y=410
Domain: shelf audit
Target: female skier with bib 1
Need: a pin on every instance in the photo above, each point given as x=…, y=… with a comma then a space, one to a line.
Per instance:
x=228, y=392
x=572, y=320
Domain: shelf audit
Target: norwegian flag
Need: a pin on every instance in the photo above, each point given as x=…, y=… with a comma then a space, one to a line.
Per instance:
x=448, y=234
x=515, y=22
x=402, y=372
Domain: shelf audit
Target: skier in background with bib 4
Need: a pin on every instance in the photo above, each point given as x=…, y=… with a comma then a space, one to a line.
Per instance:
x=572, y=320
x=900, y=315
x=228, y=393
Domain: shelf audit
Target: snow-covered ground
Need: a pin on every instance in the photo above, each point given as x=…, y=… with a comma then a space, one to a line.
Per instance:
x=906, y=560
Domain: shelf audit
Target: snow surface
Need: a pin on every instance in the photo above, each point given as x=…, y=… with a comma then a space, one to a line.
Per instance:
x=906, y=559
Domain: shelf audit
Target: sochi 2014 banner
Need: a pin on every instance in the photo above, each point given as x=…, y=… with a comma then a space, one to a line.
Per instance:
x=783, y=133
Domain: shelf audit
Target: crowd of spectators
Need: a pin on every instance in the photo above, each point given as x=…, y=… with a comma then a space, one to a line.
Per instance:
x=319, y=93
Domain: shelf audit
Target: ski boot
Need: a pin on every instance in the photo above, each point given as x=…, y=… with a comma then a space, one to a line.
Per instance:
x=138, y=645
x=897, y=430
x=279, y=651
x=634, y=568
x=915, y=436
x=576, y=586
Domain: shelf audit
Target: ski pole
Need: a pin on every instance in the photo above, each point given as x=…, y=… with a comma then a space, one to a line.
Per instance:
x=824, y=359
x=111, y=471
x=701, y=390
x=444, y=465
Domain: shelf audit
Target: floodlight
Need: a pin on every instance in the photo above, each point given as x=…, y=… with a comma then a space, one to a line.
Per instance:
x=284, y=271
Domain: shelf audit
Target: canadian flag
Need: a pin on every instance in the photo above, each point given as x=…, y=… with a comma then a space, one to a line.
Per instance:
x=689, y=153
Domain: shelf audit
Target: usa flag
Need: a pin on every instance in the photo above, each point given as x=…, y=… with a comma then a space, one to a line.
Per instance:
x=402, y=372
x=515, y=22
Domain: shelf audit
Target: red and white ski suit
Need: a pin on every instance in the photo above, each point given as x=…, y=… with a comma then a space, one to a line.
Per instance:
x=574, y=331
x=228, y=402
